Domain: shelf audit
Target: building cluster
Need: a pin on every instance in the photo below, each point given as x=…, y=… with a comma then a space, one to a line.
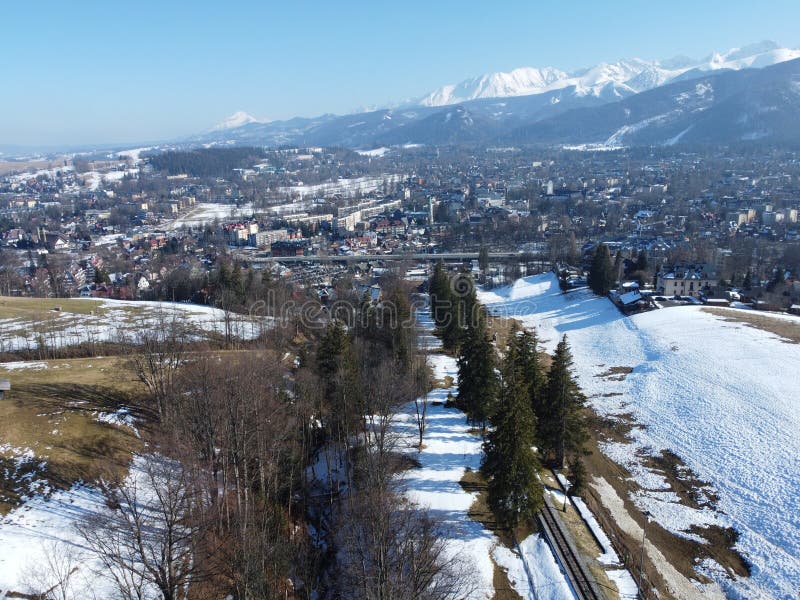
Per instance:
x=735, y=215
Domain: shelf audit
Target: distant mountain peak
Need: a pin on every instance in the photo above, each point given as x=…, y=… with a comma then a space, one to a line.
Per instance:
x=237, y=119
x=605, y=79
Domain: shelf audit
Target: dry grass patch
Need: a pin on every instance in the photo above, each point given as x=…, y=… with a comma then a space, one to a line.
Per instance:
x=502, y=584
x=8, y=167
x=682, y=554
x=787, y=329
x=500, y=329
x=615, y=373
x=41, y=309
x=51, y=415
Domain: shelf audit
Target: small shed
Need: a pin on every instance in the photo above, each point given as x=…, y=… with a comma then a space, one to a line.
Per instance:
x=5, y=386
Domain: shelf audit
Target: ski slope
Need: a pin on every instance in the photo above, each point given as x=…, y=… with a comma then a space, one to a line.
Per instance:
x=721, y=395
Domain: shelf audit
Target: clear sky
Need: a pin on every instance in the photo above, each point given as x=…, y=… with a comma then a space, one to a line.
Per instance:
x=104, y=71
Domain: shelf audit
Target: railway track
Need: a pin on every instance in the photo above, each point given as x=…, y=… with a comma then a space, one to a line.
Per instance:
x=580, y=579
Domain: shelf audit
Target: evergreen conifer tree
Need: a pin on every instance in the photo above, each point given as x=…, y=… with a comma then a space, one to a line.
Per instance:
x=441, y=296
x=464, y=311
x=601, y=273
x=483, y=259
x=562, y=427
x=510, y=464
x=535, y=372
x=477, y=380
x=641, y=261
x=577, y=471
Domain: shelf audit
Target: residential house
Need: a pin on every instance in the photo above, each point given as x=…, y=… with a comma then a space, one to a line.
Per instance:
x=684, y=279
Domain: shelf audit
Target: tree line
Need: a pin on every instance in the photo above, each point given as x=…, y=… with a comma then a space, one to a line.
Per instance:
x=206, y=162
x=527, y=403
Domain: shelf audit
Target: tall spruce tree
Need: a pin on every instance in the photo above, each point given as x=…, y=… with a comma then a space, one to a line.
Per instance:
x=535, y=372
x=601, y=274
x=463, y=313
x=477, y=380
x=641, y=261
x=562, y=426
x=510, y=464
x=441, y=296
x=483, y=259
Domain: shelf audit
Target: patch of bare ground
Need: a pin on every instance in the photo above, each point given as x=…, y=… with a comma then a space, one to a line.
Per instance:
x=502, y=584
x=615, y=373
x=500, y=329
x=8, y=167
x=692, y=491
x=669, y=568
x=787, y=329
x=474, y=481
x=51, y=414
x=612, y=428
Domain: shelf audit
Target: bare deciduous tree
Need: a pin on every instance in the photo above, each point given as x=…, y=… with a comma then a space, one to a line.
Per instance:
x=148, y=537
x=156, y=351
x=389, y=550
x=49, y=578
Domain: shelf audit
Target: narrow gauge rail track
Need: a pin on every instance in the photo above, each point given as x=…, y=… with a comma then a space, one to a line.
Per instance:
x=580, y=579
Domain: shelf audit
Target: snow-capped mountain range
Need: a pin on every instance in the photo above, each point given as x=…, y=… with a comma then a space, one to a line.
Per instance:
x=621, y=78
x=748, y=93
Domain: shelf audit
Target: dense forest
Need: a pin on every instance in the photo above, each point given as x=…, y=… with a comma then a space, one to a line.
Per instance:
x=206, y=162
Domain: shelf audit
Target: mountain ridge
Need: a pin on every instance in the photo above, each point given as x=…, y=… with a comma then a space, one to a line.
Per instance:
x=635, y=75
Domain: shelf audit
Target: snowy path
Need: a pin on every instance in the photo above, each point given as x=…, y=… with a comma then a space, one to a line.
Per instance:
x=721, y=395
x=450, y=449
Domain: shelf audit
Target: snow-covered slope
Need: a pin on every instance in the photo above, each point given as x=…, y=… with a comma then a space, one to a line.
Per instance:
x=519, y=82
x=631, y=76
x=706, y=108
x=719, y=394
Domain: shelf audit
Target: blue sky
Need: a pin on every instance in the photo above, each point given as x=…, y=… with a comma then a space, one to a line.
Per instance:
x=92, y=72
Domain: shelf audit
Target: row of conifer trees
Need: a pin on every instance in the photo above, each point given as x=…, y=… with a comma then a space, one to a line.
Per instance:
x=528, y=404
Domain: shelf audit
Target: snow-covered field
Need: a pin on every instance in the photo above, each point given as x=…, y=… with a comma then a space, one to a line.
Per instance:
x=41, y=534
x=721, y=395
x=116, y=318
x=449, y=450
x=345, y=187
x=206, y=212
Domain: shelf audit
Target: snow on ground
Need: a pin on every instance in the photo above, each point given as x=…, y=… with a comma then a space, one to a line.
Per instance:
x=537, y=567
x=721, y=395
x=107, y=240
x=609, y=556
x=124, y=317
x=22, y=364
x=206, y=212
x=133, y=154
x=121, y=417
x=345, y=187
x=44, y=527
x=375, y=152
x=449, y=450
